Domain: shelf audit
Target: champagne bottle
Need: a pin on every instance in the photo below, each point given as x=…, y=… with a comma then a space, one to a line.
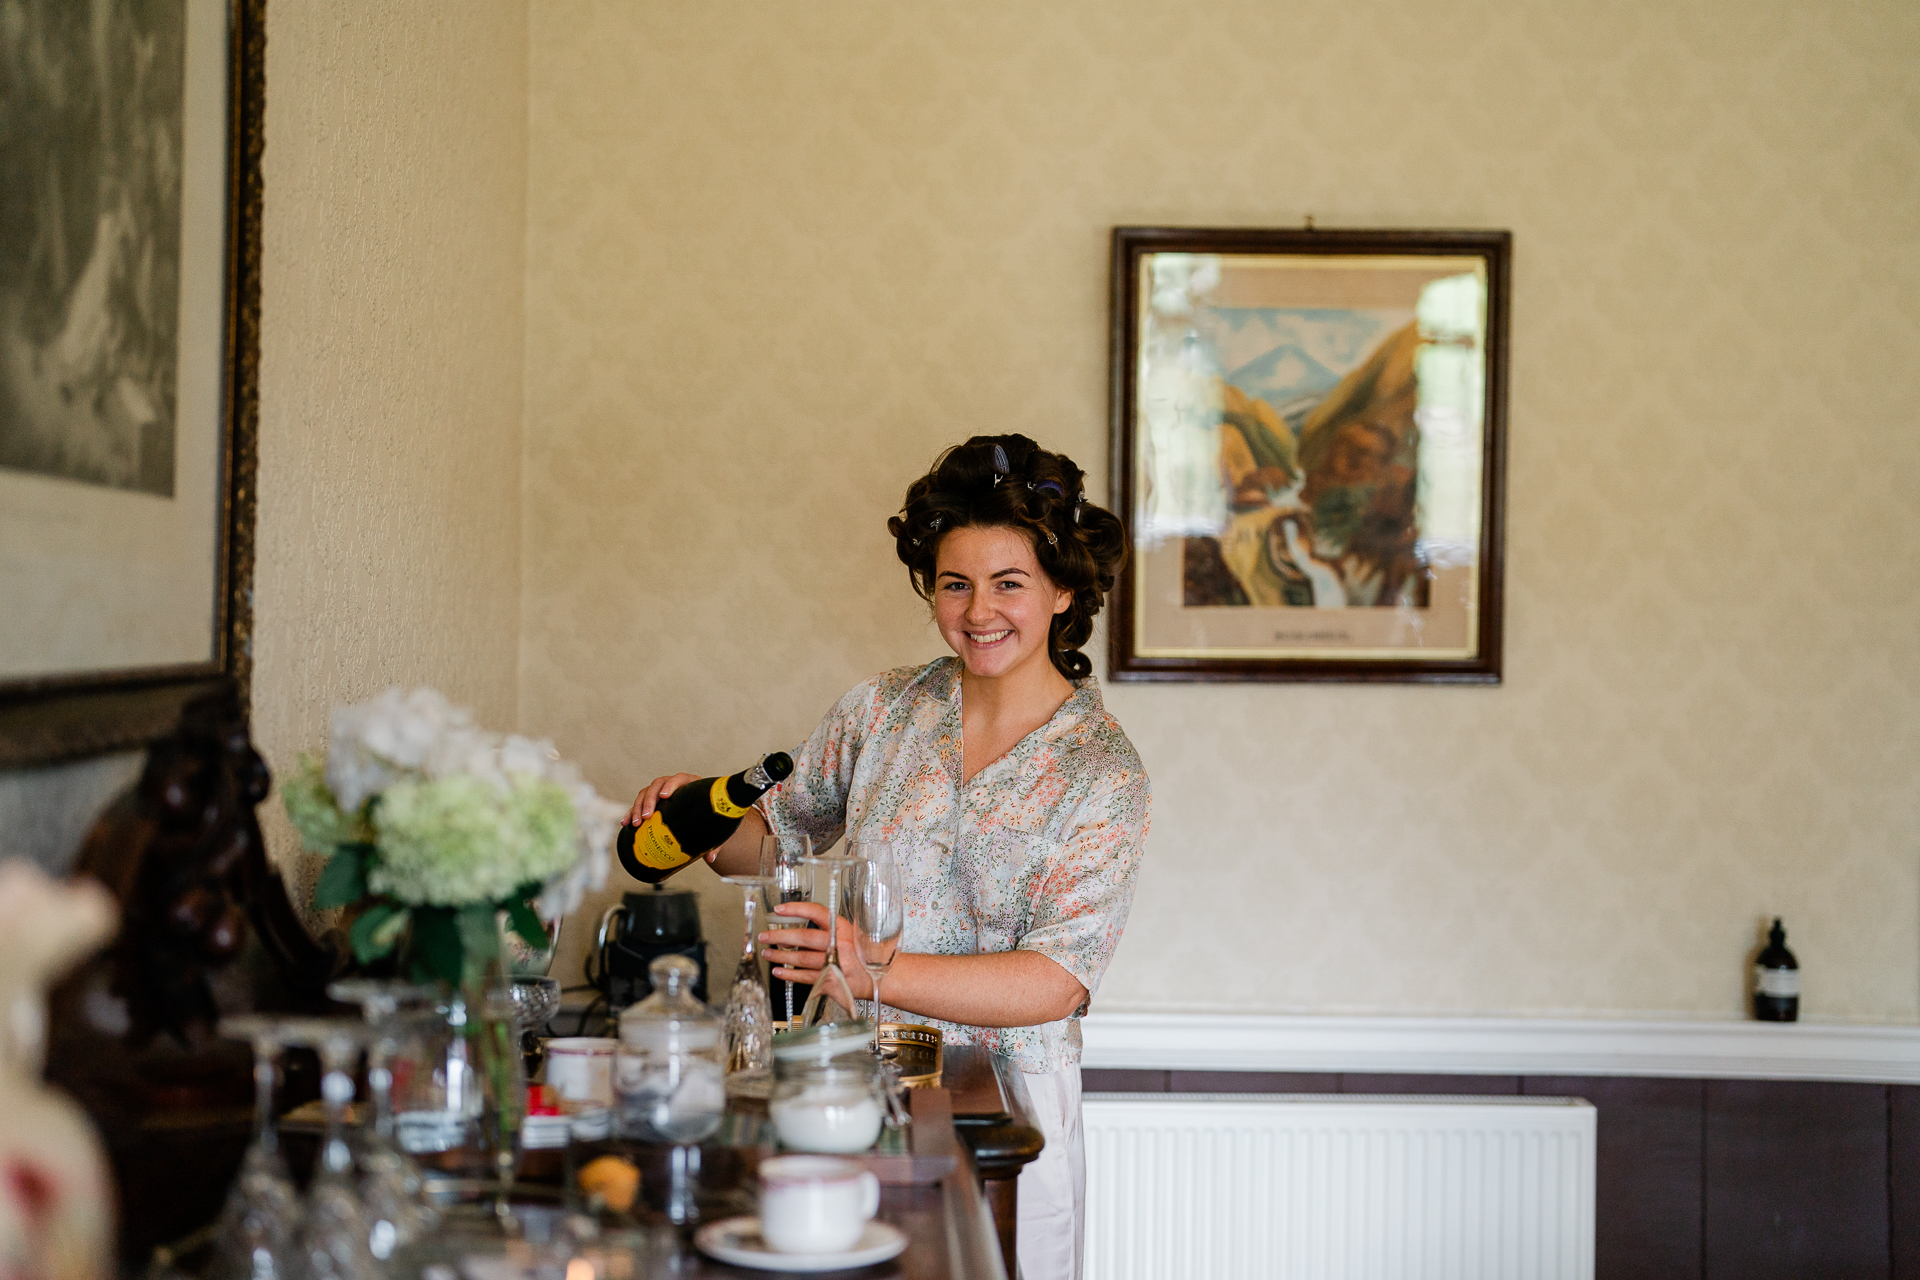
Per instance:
x=1776, y=980
x=698, y=817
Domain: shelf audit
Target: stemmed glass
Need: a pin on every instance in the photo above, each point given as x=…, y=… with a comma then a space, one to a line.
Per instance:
x=781, y=862
x=335, y=1237
x=392, y=1187
x=878, y=914
x=749, y=1027
x=535, y=999
x=830, y=991
x=262, y=1215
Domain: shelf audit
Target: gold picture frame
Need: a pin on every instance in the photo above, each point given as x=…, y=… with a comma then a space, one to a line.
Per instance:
x=130, y=530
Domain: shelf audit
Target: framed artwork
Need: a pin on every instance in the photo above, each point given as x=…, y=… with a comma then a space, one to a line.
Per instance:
x=1308, y=452
x=130, y=143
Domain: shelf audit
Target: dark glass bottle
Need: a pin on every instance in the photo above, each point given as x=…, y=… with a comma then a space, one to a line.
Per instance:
x=697, y=817
x=1776, y=980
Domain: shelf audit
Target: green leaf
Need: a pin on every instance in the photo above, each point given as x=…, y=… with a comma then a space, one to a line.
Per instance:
x=343, y=881
x=375, y=932
x=437, y=949
x=525, y=922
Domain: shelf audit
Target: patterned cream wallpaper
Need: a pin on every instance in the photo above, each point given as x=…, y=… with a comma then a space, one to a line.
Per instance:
x=390, y=364
x=779, y=255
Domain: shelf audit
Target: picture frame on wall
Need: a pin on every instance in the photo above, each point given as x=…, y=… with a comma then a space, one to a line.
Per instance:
x=129, y=349
x=1308, y=432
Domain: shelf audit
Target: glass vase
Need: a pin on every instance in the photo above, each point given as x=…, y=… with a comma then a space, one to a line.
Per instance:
x=460, y=1087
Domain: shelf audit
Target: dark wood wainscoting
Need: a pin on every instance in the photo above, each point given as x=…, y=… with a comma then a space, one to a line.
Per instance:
x=1714, y=1179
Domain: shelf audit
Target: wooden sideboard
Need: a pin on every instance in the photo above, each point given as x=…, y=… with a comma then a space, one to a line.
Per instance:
x=994, y=1118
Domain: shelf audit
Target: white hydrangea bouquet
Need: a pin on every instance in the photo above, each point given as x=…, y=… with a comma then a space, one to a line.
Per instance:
x=433, y=827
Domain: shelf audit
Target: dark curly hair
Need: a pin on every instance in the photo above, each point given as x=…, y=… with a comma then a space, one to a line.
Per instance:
x=1009, y=482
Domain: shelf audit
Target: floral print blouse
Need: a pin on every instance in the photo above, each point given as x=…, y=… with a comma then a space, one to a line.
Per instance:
x=1037, y=852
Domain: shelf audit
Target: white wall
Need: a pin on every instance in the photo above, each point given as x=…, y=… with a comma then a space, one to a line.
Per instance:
x=392, y=332
x=780, y=255
x=668, y=302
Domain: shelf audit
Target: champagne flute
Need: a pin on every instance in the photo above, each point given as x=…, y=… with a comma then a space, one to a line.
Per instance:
x=782, y=862
x=336, y=1235
x=879, y=913
x=259, y=1225
x=832, y=997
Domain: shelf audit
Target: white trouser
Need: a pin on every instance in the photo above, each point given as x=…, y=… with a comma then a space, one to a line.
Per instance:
x=1053, y=1189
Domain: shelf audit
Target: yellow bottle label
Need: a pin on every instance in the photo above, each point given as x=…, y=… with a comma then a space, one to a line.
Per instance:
x=723, y=803
x=654, y=846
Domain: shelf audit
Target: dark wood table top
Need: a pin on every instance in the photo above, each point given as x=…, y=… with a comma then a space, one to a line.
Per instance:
x=980, y=1115
x=991, y=1110
x=951, y=1234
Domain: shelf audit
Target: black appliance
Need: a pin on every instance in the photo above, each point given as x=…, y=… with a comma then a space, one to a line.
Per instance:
x=644, y=927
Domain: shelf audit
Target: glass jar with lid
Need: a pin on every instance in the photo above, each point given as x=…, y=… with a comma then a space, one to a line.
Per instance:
x=668, y=1075
x=829, y=1091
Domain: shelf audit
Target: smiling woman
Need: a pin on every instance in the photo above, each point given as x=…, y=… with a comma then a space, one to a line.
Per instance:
x=1015, y=805
x=995, y=605
x=1077, y=546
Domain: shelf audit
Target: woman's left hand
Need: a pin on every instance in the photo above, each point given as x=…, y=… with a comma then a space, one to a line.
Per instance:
x=798, y=955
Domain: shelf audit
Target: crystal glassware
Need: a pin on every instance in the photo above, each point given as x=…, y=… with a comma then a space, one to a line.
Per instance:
x=668, y=1077
x=259, y=1227
x=877, y=913
x=525, y=959
x=336, y=1230
x=396, y=1013
x=749, y=1015
x=832, y=998
x=536, y=999
x=781, y=861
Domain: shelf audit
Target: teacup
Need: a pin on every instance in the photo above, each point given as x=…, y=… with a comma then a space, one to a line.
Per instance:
x=580, y=1068
x=815, y=1204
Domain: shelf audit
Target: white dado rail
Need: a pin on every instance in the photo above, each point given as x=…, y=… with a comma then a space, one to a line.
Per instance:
x=1503, y=1046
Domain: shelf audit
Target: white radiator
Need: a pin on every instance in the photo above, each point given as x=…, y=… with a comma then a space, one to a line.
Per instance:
x=1338, y=1187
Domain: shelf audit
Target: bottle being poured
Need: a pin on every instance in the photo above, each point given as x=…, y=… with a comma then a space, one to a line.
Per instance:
x=697, y=818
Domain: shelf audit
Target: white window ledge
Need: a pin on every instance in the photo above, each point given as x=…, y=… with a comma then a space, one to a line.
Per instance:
x=1503, y=1046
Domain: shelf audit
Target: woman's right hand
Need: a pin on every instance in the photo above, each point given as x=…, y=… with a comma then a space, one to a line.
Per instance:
x=659, y=789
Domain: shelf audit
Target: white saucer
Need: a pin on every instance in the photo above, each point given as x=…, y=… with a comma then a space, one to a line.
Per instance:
x=737, y=1240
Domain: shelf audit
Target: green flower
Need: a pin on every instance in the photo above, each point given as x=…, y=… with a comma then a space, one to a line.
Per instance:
x=546, y=828
x=316, y=816
x=459, y=840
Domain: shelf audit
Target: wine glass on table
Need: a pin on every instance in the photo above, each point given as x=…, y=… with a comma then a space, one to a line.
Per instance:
x=749, y=1018
x=260, y=1223
x=336, y=1233
x=392, y=1187
x=535, y=999
x=878, y=913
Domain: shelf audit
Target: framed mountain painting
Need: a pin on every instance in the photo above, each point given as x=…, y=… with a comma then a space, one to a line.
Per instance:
x=1308, y=450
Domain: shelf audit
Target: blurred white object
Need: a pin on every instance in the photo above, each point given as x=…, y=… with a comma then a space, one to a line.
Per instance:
x=56, y=1200
x=580, y=1068
x=667, y=1073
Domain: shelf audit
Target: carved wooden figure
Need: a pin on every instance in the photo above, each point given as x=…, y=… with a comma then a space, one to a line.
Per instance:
x=206, y=931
